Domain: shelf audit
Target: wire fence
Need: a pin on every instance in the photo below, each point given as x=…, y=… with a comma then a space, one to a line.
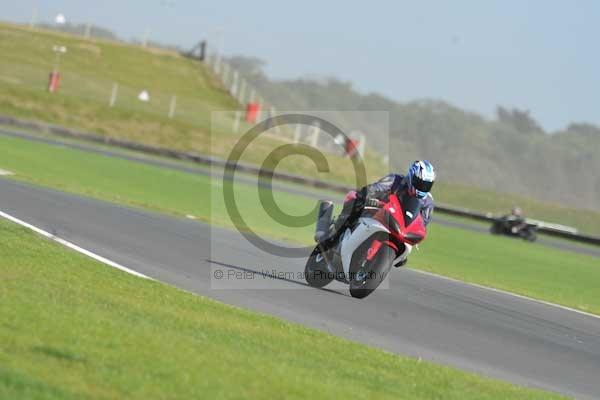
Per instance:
x=245, y=94
x=120, y=95
x=92, y=90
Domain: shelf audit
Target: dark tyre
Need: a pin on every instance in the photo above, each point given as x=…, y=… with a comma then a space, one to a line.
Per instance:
x=531, y=237
x=370, y=274
x=316, y=272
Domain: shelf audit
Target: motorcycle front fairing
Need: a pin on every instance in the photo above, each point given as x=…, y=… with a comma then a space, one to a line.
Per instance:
x=352, y=239
x=403, y=226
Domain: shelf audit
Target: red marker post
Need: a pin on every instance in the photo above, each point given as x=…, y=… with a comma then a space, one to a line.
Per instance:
x=252, y=111
x=54, y=80
x=351, y=148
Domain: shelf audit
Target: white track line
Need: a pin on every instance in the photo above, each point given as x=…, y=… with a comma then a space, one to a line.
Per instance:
x=132, y=272
x=506, y=293
x=73, y=246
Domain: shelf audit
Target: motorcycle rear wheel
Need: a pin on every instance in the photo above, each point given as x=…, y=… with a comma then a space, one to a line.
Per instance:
x=316, y=271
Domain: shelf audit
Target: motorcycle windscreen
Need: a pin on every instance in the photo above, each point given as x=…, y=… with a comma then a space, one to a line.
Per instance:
x=411, y=206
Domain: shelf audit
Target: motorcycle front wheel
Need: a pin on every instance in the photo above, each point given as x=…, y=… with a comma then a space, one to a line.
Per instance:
x=530, y=236
x=370, y=274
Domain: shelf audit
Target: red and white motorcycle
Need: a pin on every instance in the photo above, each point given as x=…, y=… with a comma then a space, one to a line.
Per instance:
x=364, y=253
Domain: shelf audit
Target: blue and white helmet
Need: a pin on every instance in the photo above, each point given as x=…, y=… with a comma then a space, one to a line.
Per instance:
x=421, y=176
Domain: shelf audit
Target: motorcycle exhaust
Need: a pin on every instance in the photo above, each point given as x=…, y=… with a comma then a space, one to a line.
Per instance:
x=324, y=220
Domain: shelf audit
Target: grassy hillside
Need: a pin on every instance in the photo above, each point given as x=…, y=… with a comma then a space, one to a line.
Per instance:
x=525, y=268
x=91, y=68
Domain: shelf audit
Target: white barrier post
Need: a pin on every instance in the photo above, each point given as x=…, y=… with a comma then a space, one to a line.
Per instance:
x=242, y=92
x=145, y=41
x=218, y=50
x=88, y=29
x=236, y=121
x=113, y=95
x=272, y=115
x=260, y=112
x=362, y=141
x=315, y=135
x=217, y=68
x=297, y=133
x=172, y=106
x=210, y=58
x=225, y=74
x=33, y=20
x=234, y=85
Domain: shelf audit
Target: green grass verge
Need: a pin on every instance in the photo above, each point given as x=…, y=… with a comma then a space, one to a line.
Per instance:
x=513, y=265
x=72, y=329
x=524, y=268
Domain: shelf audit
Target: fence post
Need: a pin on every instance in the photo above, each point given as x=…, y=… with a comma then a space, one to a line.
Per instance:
x=261, y=112
x=33, y=20
x=145, y=41
x=297, y=133
x=272, y=115
x=314, y=139
x=242, y=92
x=209, y=57
x=225, y=74
x=362, y=141
x=172, y=106
x=234, y=86
x=217, y=67
x=236, y=121
x=113, y=95
x=88, y=30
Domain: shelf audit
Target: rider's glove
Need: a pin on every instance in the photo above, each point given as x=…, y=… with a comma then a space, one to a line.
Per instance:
x=370, y=202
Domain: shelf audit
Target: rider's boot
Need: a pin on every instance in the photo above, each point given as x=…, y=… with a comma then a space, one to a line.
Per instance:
x=324, y=221
x=327, y=238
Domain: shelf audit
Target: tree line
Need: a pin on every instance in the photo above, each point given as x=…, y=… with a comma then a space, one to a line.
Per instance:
x=509, y=153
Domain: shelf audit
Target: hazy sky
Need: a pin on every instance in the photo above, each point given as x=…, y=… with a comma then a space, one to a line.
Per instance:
x=538, y=55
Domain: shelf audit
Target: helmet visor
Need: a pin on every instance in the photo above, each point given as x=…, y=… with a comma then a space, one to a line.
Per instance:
x=421, y=185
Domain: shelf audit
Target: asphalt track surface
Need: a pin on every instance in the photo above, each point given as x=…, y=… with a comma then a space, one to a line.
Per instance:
x=421, y=315
x=279, y=186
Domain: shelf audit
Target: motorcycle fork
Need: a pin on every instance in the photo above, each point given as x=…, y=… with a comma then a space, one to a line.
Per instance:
x=371, y=253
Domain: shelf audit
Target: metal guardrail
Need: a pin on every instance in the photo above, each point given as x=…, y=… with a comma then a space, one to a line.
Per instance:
x=543, y=227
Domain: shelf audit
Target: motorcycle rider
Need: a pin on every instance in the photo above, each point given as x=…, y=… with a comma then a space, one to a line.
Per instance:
x=417, y=183
x=515, y=220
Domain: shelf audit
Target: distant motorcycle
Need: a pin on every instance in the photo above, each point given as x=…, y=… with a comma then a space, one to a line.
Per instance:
x=511, y=226
x=364, y=253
